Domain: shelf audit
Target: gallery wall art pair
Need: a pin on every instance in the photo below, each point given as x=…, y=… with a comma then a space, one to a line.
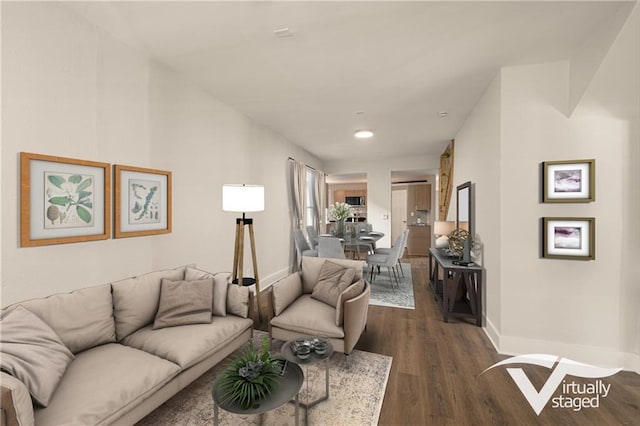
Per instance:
x=570, y=238
x=66, y=200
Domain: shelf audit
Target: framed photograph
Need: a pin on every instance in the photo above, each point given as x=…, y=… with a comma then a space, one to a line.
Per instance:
x=63, y=200
x=569, y=181
x=143, y=201
x=569, y=238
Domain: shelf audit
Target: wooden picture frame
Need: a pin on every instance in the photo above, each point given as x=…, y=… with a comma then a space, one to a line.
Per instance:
x=63, y=200
x=142, y=201
x=571, y=238
x=571, y=181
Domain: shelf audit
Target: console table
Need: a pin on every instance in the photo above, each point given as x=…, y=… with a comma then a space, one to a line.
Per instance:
x=456, y=280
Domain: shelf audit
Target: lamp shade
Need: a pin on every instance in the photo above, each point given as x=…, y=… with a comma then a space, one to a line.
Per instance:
x=242, y=198
x=443, y=227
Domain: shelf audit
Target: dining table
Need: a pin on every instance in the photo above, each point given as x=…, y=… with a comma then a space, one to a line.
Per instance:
x=362, y=242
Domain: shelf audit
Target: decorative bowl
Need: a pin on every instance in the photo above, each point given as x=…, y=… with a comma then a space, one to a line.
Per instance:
x=303, y=352
x=321, y=348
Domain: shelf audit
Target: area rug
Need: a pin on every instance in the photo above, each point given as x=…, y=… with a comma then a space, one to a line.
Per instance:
x=355, y=395
x=383, y=294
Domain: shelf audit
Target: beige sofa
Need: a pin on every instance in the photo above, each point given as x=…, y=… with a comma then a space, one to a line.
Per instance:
x=299, y=309
x=118, y=367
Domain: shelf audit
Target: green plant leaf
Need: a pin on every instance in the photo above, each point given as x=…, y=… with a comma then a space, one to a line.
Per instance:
x=60, y=201
x=86, y=202
x=83, y=194
x=83, y=214
x=56, y=180
x=84, y=185
x=75, y=179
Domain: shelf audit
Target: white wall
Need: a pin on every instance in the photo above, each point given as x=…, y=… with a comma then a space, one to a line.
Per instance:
x=71, y=90
x=477, y=159
x=379, y=184
x=584, y=310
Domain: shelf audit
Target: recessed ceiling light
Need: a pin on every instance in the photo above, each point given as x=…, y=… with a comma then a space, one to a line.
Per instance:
x=283, y=33
x=363, y=134
x=443, y=114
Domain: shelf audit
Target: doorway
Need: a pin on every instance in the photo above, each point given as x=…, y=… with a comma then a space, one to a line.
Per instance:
x=398, y=212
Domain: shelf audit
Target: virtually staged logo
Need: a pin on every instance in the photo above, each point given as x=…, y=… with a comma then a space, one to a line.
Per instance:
x=574, y=395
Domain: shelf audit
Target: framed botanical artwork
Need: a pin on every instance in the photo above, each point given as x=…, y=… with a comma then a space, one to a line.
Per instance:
x=142, y=200
x=63, y=200
x=569, y=181
x=569, y=238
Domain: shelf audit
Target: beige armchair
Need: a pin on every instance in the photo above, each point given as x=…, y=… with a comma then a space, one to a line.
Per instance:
x=297, y=312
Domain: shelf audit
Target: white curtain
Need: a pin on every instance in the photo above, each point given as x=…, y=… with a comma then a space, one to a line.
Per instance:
x=297, y=185
x=320, y=198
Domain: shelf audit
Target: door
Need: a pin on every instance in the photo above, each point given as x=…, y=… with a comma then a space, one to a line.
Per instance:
x=398, y=212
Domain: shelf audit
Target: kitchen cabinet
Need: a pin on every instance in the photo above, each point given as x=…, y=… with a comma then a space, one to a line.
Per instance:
x=340, y=194
x=419, y=240
x=423, y=196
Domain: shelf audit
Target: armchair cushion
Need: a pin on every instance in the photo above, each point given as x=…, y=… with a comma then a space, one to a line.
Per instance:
x=184, y=302
x=352, y=291
x=308, y=316
x=311, y=270
x=332, y=281
x=33, y=353
x=285, y=291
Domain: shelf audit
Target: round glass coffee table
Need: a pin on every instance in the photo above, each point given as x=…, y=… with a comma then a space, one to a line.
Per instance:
x=291, y=352
x=287, y=389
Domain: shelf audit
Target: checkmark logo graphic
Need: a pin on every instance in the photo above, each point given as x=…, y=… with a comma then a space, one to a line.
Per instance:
x=538, y=400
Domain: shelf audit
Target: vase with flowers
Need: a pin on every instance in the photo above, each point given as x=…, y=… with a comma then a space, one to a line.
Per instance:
x=340, y=212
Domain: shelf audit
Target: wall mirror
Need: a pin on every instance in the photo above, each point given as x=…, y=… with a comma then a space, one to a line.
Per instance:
x=464, y=210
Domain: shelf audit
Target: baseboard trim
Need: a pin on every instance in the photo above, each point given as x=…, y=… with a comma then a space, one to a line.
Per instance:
x=602, y=357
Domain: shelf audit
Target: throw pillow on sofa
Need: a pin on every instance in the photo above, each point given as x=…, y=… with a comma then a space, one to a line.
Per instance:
x=332, y=281
x=33, y=353
x=220, y=281
x=184, y=302
x=135, y=300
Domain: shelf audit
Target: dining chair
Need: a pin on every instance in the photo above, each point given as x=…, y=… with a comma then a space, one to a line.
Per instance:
x=387, y=250
x=302, y=246
x=330, y=247
x=376, y=260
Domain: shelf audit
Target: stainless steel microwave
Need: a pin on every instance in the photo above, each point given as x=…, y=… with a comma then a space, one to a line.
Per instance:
x=354, y=201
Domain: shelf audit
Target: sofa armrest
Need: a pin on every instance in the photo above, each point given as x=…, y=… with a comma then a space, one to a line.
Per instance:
x=285, y=291
x=15, y=402
x=355, y=317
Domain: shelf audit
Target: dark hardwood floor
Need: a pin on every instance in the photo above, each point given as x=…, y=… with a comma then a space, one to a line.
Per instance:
x=436, y=373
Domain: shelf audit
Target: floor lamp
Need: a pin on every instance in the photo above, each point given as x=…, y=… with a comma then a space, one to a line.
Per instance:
x=243, y=199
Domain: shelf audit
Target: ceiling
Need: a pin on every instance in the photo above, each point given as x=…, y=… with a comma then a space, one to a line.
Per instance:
x=388, y=66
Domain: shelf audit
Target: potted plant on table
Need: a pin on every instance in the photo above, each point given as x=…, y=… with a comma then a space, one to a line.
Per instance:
x=340, y=211
x=250, y=376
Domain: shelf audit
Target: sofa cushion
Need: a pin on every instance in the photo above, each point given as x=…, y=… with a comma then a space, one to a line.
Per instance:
x=82, y=319
x=332, y=281
x=285, y=291
x=186, y=345
x=238, y=300
x=33, y=353
x=349, y=293
x=309, y=316
x=220, y=281
x=135, y=300
x=103, y=383
x=184, y=302
x=311, y=270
